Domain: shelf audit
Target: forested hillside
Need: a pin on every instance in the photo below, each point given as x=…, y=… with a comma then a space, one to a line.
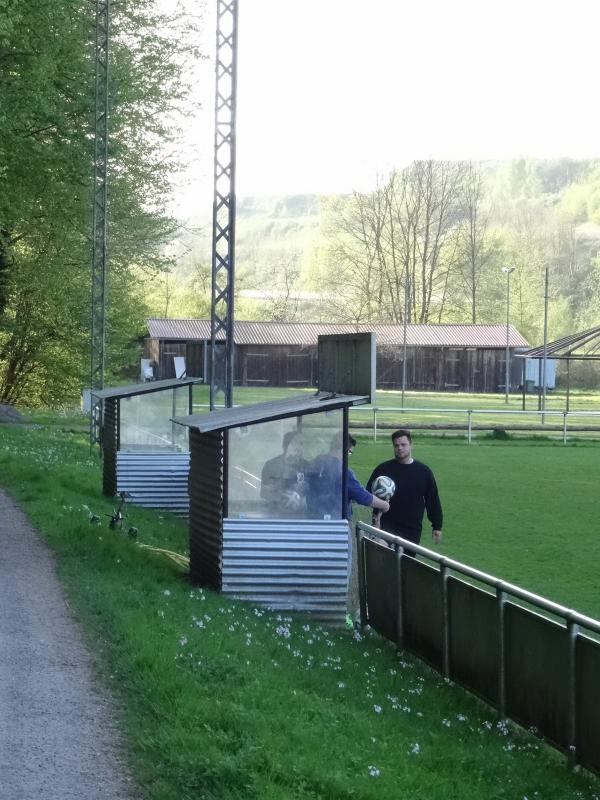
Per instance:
x=443, y=230
x=430, y=238
x=46, y=167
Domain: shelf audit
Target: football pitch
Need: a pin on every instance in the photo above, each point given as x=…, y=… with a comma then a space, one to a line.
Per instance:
x=524, y=512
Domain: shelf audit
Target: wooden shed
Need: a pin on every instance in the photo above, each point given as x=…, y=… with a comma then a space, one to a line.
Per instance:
x=445, y=357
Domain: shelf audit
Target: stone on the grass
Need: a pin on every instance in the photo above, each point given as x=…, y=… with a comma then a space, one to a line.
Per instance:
x=9, y=413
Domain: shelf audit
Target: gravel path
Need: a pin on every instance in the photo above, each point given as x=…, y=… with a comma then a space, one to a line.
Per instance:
x=58, y=738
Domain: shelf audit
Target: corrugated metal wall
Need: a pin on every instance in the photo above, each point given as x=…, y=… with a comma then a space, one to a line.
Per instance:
x=155, y=480
x=206, y=508
x=109, y=447
x=295, y=565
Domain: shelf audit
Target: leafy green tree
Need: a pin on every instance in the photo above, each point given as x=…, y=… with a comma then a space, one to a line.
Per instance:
x=46, y=109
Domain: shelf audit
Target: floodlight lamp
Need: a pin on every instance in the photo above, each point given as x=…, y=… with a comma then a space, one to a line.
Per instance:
x=508, y=270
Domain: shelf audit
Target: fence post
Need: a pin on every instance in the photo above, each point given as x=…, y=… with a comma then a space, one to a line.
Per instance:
x=501, y=598
x=399, y=599
x=445, y=619
x=362, y=584
x=564, y=427
x=469, y=434
x=572, y=633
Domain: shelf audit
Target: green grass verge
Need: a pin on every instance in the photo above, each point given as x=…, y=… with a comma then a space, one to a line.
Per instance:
x=223, y=700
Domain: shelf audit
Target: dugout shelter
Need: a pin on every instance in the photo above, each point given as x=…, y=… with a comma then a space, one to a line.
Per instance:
x=249, y=537
x=144, y=452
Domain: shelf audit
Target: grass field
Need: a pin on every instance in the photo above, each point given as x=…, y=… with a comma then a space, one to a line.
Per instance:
x=439, y=408
x=520, y=510
x=222, y=700
x=434, y=408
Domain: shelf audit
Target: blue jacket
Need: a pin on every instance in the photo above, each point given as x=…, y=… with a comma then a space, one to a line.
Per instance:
x=356, y=493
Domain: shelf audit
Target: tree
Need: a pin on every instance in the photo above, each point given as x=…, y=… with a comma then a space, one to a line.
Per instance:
x=401, y=236
x=46, y=81
x=473, y=248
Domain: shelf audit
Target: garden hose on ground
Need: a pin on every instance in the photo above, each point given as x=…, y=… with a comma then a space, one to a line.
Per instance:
x=182, y=561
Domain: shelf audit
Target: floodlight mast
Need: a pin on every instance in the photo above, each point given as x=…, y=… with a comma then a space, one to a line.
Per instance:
x=223, y=241
x=99, y=213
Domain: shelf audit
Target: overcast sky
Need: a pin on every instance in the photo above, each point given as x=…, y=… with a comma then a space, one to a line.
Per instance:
x=331, y=92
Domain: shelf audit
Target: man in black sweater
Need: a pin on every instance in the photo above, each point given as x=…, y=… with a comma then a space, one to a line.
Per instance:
x=416, y=492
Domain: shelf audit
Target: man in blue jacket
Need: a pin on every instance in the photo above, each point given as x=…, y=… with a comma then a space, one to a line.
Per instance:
x=357, y=493
x=325, y=480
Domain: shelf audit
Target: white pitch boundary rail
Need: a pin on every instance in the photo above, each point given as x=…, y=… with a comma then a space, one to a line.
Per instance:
x=472, y=413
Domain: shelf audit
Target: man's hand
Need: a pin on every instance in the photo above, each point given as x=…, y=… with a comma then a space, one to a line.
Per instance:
x=291, y=500
x=436, y=536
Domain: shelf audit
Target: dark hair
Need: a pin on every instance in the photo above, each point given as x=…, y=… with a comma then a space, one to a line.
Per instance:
x=351, y=441
x=288, y=439
x=401, y=432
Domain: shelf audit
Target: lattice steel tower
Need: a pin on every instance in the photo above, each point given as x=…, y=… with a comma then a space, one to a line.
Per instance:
x=100, y=210
x=223, y=243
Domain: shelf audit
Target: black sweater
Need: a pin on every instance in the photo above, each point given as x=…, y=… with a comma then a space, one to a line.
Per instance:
x=416, y=492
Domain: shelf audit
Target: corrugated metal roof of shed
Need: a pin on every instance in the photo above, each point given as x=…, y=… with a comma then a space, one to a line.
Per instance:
x=577, y=346
x=306, y=333
x=270, y=410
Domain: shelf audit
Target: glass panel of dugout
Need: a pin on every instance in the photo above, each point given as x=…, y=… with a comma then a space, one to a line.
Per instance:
x=287, y=469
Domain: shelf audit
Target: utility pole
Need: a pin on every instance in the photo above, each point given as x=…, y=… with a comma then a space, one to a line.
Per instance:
x=508, y=271
x=544, y=358
x=99, y=214
x=223, y=242
x=405, y=326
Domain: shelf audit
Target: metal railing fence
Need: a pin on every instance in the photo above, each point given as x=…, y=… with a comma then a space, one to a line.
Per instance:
x=534, y=660
x=471, y=414
x=567, y=420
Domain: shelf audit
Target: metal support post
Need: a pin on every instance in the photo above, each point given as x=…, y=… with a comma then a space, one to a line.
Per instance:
x=405, y=321
x=224, y=205
x=572, y=634
x=445, y=619
x=362, y=583
x=399, y=598
x=99, y=215
x=508, y=271
x=501, y=598
x=545, y=356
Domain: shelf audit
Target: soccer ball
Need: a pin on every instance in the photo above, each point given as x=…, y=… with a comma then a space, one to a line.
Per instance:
x=383, y=487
